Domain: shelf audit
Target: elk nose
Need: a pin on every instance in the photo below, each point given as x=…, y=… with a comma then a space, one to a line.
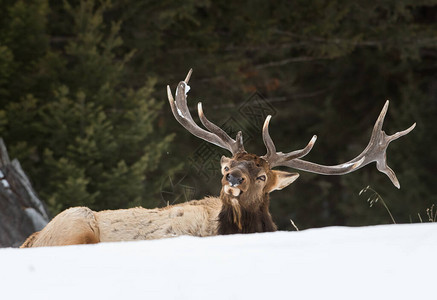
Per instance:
x=234, y=180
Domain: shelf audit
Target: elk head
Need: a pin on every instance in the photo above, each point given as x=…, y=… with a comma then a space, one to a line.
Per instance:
x=248, y=178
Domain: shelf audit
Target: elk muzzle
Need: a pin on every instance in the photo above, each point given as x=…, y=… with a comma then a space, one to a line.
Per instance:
x=234, y=180
x=233, y=183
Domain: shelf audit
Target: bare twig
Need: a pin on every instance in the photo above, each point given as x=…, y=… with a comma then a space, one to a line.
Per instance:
x=288, y=61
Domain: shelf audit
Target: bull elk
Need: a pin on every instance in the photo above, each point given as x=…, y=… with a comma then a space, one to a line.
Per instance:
x=243, y=205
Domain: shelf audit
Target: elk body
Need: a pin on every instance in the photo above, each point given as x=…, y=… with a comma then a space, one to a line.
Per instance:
x=243, y=205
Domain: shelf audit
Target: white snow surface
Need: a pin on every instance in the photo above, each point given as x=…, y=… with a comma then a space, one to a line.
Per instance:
x=377, y=262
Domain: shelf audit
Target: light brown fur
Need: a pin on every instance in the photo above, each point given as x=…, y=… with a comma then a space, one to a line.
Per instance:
x=80, y=225
x=198, y=218
x=76, y=225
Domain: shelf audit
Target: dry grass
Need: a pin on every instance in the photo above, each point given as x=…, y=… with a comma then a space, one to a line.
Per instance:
x=374, y=198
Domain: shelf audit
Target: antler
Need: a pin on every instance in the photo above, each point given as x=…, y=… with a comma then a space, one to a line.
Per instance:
x=278, y=158
x=374, y=152
x=215, y=135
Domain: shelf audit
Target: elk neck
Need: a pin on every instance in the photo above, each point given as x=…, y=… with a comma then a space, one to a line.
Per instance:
x=235, y=218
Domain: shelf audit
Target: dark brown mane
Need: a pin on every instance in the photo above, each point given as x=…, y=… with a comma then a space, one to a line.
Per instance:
x=241, y=220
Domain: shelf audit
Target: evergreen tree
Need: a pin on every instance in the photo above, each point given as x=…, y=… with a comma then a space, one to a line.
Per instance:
x=90, y=140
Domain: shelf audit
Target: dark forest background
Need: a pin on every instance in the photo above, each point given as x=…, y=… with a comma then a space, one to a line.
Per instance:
x=83, y=102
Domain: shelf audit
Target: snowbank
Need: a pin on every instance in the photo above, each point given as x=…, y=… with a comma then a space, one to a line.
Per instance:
x=379, y=262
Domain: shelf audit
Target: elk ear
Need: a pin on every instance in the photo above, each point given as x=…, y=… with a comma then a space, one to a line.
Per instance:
x=224, y=160
x=281, y=180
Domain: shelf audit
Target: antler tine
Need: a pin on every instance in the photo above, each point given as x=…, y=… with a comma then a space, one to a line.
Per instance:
x=182, y=114
x=268, y=142
x=376, y=151
x=187, y=78
x=277, y=158
x=380, y=121
x=236, y=145
x=401, y=133
x=377, y=129
x=380, y=141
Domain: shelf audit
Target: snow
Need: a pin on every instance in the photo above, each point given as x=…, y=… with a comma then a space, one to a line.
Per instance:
x=5, y=183
x=378, y=262
x=187, y=88
x=180, y=113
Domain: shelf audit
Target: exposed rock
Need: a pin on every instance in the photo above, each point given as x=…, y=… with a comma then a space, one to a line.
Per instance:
x=21, y=211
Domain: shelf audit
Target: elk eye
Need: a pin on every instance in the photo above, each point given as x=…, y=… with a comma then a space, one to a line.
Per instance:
x=226, y=169
x=262, y=177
